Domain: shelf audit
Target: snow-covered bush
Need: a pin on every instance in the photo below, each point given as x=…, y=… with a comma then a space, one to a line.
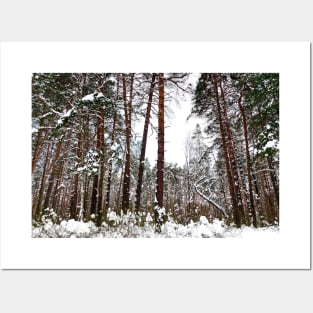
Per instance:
x=129, y=229
x=66, y=229
x=112, y=218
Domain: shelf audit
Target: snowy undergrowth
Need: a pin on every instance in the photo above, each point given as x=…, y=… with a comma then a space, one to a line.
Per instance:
x=201, y=229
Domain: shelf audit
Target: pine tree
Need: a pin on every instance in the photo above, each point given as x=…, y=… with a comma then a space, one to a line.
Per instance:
x=159, y=211
x=128, y=116
x=144, y=144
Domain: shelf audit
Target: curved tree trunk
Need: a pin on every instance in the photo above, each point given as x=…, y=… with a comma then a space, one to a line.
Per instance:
x=144, y=144
x=212, y=202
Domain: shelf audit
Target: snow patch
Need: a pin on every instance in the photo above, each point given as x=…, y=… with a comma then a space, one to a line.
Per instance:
x=170, y=229
x=89, y=97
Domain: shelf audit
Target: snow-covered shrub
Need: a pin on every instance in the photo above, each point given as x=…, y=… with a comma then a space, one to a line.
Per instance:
x=219, y=227
x=170, y=229
x=148, y=223
x=149, y=219
x=49, y=216
x=203, y=220
x=160, y=217
x=112, y=218
x=129, y=229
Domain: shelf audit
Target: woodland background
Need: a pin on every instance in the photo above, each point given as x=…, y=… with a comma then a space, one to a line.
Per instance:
x=88, y=163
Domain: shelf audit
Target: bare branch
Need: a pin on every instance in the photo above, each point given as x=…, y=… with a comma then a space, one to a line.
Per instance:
x=218, y=207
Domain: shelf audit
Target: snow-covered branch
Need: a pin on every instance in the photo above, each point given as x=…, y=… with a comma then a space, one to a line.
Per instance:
x=263, y=170
x=222, y=210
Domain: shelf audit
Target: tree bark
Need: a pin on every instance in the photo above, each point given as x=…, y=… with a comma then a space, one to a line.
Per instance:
x=160, y=162
x=41, y=137
x=144, y=144
x=127, y=112
x=74, y=194
x=245, y=129
x=36, y=212
x=274, y=179
x=52, y=175
x=94, y=195
x=107, y=201
x=226, y=153
x=231, y=151
x=101, y=168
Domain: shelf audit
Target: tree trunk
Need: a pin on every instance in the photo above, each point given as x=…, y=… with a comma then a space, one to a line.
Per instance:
x=107, y=202
x=74, y=197
x=94, y=195
x=58, y=190
x=127, y=112
x=118, y=209
x=37, y=205
x=232, y=157
x=274, y=179
x=83, y=78
x=245, y=129
x=160, y=161
x=74, y=194
x=100, y=142
x=144, y=144
x=52, y=175
x=41, y=137
x=226, y=153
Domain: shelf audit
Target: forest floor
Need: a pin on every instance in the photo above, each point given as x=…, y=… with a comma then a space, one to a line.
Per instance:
x=201, y=229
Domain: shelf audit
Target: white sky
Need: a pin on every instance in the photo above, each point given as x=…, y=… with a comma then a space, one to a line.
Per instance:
x=176, y=130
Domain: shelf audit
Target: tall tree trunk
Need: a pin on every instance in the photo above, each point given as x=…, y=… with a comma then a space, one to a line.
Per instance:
x=83, y=78
x=274, y=179
x=107, y=201
x=127, y=112
x=118, y=209
x=52, y=175
x=245, y=129
x=231, y=151
x=74, y=198
x=160, y=162
x=144, y=144
x=244, y=195
x=94, y=195
x=41, y=137
x=36, y=212
x=58, y=185
x=85, y=178
x=266, y=198
x=110, y=165
x=226, y=153
x=99, y=145
x=101, y=166
x=74, y=193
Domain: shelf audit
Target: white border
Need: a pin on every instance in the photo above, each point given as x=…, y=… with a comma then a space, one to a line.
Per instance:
x=291, y=249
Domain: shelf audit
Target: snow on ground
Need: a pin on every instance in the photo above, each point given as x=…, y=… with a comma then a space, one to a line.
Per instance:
x=201, y=229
